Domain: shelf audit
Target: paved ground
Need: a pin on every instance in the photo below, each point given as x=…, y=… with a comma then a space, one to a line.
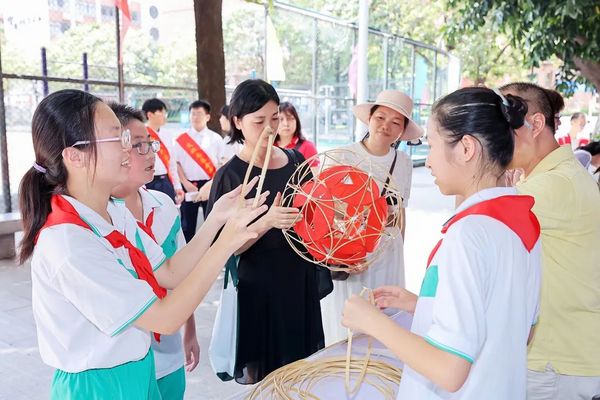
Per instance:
x=24, y=377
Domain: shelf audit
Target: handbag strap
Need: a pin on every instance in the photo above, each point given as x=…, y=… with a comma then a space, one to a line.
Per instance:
x=231, y=269
x=291, y=153
x=387, y=180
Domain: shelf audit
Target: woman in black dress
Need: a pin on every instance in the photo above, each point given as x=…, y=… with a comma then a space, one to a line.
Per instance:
x=278, y=300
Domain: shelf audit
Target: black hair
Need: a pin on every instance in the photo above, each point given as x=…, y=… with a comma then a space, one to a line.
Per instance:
x=248, y=97
x=577, y=115
x=60, y=120
x=225, y=111
x=546, y=101
x=592, y=147
x=200, y=104
x=125, y=113
x=288, y=108
x=152, y=106
x=481, y=113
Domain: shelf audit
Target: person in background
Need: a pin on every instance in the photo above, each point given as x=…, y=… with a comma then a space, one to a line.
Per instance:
x=564, y=356
x=166, y=178
x=593, y=166
x=231, y=147
x=198, y=154
x=289, y=134
x=575, y=138
x=389, y=122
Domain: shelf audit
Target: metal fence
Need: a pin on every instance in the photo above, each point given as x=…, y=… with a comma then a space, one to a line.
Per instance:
x=316, y=58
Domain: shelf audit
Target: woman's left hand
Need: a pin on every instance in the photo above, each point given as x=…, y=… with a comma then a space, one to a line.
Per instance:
x=359, y=314
x=227, y=204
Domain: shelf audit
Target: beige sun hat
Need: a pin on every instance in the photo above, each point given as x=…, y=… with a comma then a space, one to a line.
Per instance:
x=397, y=101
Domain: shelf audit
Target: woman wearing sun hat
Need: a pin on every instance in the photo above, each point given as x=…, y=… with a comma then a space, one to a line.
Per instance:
x=389, y=122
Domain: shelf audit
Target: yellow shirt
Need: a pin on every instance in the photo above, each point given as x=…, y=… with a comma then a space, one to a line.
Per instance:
x=567, y=204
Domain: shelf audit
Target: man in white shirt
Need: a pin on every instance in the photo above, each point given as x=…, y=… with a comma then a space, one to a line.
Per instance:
x=198, y=153
x=166, y=177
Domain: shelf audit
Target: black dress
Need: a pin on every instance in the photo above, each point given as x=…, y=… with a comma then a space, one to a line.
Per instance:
x=278, y=301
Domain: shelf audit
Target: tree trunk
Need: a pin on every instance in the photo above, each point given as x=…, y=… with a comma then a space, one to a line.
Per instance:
x=590, y=70
x=210, y=58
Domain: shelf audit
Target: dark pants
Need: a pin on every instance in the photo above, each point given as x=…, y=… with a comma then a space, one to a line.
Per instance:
x=189, y=214
x=162, y=183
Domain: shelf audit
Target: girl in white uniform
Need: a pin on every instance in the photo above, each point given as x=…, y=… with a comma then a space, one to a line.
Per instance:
x=95, y=295
x=389, y=122
x=480, y=296
x=157, y=215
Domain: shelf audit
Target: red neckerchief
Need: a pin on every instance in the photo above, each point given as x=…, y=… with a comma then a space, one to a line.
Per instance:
x=514, y=211
x=63, y=212
x=147, y=226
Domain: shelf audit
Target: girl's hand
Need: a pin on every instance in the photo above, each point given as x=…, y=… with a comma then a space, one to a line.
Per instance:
x=280, y=217
x=191, y=348
x=237, y=231
x=395, y=297
x=227, y=205
x=359, y=314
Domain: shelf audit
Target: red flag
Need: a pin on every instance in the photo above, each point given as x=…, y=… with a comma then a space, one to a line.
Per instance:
x=123, y=6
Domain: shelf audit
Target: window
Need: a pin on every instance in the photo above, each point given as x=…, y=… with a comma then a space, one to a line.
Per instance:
x=58, y=28
x=86, y=9
x=135, y=17
x=154, y=34
x=107, y=13
x=58, y=4
x=153, y=12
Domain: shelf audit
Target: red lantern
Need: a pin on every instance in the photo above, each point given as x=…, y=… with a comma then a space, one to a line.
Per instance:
x=343, y=215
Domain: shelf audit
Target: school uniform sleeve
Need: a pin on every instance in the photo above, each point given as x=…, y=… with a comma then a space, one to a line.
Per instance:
x=458, y=319
x=101, y=289
x=173, y=240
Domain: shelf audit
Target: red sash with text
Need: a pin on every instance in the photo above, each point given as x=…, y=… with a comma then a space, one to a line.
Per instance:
x=198, y=155
x=163, y=153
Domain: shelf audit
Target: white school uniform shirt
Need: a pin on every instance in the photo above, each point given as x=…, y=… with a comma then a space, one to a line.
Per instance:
x=209, y=141
x=85, y=297
x=479, y=300
x=166, y=227
x=159, y=168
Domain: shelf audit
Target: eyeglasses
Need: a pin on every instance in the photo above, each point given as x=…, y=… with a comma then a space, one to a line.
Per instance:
x=144, y=147
x=125, y=140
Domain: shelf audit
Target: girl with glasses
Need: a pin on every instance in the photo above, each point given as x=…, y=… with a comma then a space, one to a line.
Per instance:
x=96, y=296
